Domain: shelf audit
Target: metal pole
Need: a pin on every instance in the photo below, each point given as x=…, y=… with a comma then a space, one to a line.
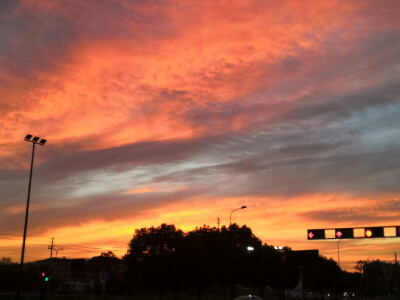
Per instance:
x=25, y=227
x=51, y=247
x=338, y=253
x=50, y=265
x=230, y=216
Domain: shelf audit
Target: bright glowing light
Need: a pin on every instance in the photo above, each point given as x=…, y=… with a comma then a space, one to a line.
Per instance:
x=250, y=248
x=368, y=233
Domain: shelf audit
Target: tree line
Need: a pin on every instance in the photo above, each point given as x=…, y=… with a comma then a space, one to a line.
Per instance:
x=167, y=260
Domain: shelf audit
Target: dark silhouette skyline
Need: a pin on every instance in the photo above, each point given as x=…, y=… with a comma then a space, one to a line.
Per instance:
x=206, y=262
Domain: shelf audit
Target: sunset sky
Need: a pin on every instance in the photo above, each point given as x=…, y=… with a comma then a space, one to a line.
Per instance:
x=179, y=112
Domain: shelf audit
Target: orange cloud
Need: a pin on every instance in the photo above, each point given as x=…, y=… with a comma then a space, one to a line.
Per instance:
x=113, y=89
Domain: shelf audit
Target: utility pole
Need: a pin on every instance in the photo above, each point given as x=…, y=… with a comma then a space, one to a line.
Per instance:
x=51, y=247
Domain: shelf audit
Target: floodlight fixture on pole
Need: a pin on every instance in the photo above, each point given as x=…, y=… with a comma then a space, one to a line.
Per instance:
x=230, y=216
x=35, y=140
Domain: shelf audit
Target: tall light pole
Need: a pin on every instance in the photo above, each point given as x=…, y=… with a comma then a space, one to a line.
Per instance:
x=230, y=216
x=34, y=140
x=231, y=270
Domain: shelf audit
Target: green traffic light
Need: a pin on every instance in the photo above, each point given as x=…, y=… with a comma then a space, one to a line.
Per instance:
x=46, y=279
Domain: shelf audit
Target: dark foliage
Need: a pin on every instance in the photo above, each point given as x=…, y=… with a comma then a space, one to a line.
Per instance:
x=165, y=259
x=8, y=274
x=107, y=273
x=168, y=261
x=324, y=276
x=379, y=279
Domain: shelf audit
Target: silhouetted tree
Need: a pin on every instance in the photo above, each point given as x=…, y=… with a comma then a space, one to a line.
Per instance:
x=151, y=259
x=195, y=259
x=265, y=268
x=325, y=276
x=237, y=239
x=107, y=271
x=8, y=274
x=283, y=276
x=164, y=259
x=380, y=279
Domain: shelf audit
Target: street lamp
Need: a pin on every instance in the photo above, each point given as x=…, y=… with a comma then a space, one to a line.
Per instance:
x=230, y=216
x=58, y=250
x=34, y=140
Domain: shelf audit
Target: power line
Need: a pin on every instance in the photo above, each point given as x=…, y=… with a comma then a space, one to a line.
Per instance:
x=19, y=235
x=9, y=234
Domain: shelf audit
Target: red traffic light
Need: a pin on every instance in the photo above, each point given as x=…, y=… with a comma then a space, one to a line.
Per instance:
x=316, y=234
x=344, y=233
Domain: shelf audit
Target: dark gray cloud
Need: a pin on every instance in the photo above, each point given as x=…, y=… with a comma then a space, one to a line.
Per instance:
x=367, y=215
x=357, y=154
x=42, y=37
x=38, y=41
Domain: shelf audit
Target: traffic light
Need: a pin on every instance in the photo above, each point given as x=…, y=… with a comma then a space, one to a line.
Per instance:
x=316, y=234
x=354, y=233
x=45, y=277
x=344, y=233
x=44, y=285
x=374, y=232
